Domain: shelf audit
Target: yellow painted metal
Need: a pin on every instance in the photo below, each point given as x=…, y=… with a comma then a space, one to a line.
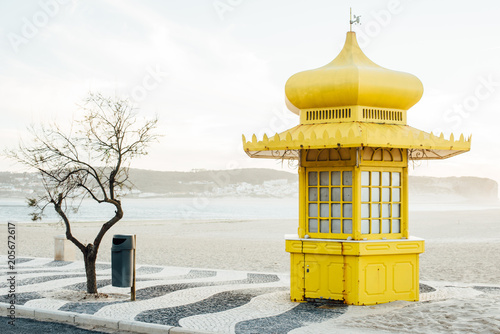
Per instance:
x=353, y=114
x=353, y=117
x=302, y=203
x=356, y=272
x=356, y=268
x=358, y=167
x=322, y=278
x=412, y=245
x=329, y=202
x=328, y=157
x=384, y=157
x=356, y=202
x=421, y=145
x=294, y=247
x=403, y=204
x=297, y=277
x=405, y=228
x=353, y=79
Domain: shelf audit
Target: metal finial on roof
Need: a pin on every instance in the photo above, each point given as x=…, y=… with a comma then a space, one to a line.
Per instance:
x=355, y=21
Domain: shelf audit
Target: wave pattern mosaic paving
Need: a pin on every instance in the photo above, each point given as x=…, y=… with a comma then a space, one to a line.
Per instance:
x=219, y=301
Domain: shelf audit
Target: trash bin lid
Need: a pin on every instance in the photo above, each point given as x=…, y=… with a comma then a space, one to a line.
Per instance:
x=123, y=241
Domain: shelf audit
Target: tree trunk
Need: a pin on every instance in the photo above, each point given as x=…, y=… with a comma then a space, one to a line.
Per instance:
x=90, y=260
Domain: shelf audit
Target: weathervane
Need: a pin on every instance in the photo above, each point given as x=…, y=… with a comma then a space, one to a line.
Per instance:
x=355, y=21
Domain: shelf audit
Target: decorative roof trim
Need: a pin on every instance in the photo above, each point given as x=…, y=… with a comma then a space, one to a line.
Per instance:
x=316, y=136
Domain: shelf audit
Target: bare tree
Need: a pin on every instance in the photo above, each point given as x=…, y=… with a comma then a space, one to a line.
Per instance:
x=91, y=160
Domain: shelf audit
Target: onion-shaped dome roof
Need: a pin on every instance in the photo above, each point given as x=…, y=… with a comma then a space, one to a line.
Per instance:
x=352, y=102
x=352, y=79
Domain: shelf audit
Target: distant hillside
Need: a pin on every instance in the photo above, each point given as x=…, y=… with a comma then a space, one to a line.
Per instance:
x=252, y=182
x=452, y=189
x=259, y=182
x=248, y=182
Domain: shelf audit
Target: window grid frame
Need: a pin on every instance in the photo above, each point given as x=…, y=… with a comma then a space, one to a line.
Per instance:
x=401, y=202
x=318, y=201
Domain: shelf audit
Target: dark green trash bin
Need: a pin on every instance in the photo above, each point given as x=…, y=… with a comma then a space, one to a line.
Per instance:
x=122, y=260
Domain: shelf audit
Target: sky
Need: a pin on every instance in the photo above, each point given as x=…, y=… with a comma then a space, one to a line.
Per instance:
x=213, y=70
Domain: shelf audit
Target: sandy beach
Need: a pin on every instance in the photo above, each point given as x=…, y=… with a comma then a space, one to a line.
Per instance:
x=462, y=247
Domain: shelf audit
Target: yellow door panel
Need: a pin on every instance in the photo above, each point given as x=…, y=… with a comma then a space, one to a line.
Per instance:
x=375, y=278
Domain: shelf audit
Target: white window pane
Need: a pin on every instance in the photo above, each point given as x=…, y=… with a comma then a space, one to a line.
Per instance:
x=396, y=194
x=335, y=225
x=396, y=226
x=323, y=178
x=386, y=179
x=313, y=226
x=347, y=178
x=375, y=178
x=365, y=210
x=313, y=210
x=313, y=194
x=386, y=194
x=313, y=178
x=395, y=211
x=396, y=179
x=365, y=194
x=324, y=226
x=323, y=194
x=335, y=178
x=386, y=226
x=347, y=224
x=386, y=210
x=335, y=210
x=323, y=210
x=365, y=178
x=375, y=226
x=347, y=213
x=365, y=226
x=375, y=194
x=375, y=210
x=335, y=194
x=347, y=195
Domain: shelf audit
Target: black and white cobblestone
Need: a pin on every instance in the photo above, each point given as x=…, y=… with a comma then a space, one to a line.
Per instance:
x=198, y=299
x=217, y=303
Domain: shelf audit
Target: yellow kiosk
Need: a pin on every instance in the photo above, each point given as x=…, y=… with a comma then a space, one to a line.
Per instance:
x=353, y=147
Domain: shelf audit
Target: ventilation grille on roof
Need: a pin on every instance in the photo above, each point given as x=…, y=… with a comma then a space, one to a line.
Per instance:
x=325, y=114
x=383, y=115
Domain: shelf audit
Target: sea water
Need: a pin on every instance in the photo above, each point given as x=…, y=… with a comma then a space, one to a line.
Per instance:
x=137, y=209
x=195, y=208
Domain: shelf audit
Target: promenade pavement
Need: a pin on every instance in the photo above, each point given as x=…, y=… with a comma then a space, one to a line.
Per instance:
x=174, y=300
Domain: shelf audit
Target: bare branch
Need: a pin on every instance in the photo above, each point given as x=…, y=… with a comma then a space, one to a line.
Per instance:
x=90, y=160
